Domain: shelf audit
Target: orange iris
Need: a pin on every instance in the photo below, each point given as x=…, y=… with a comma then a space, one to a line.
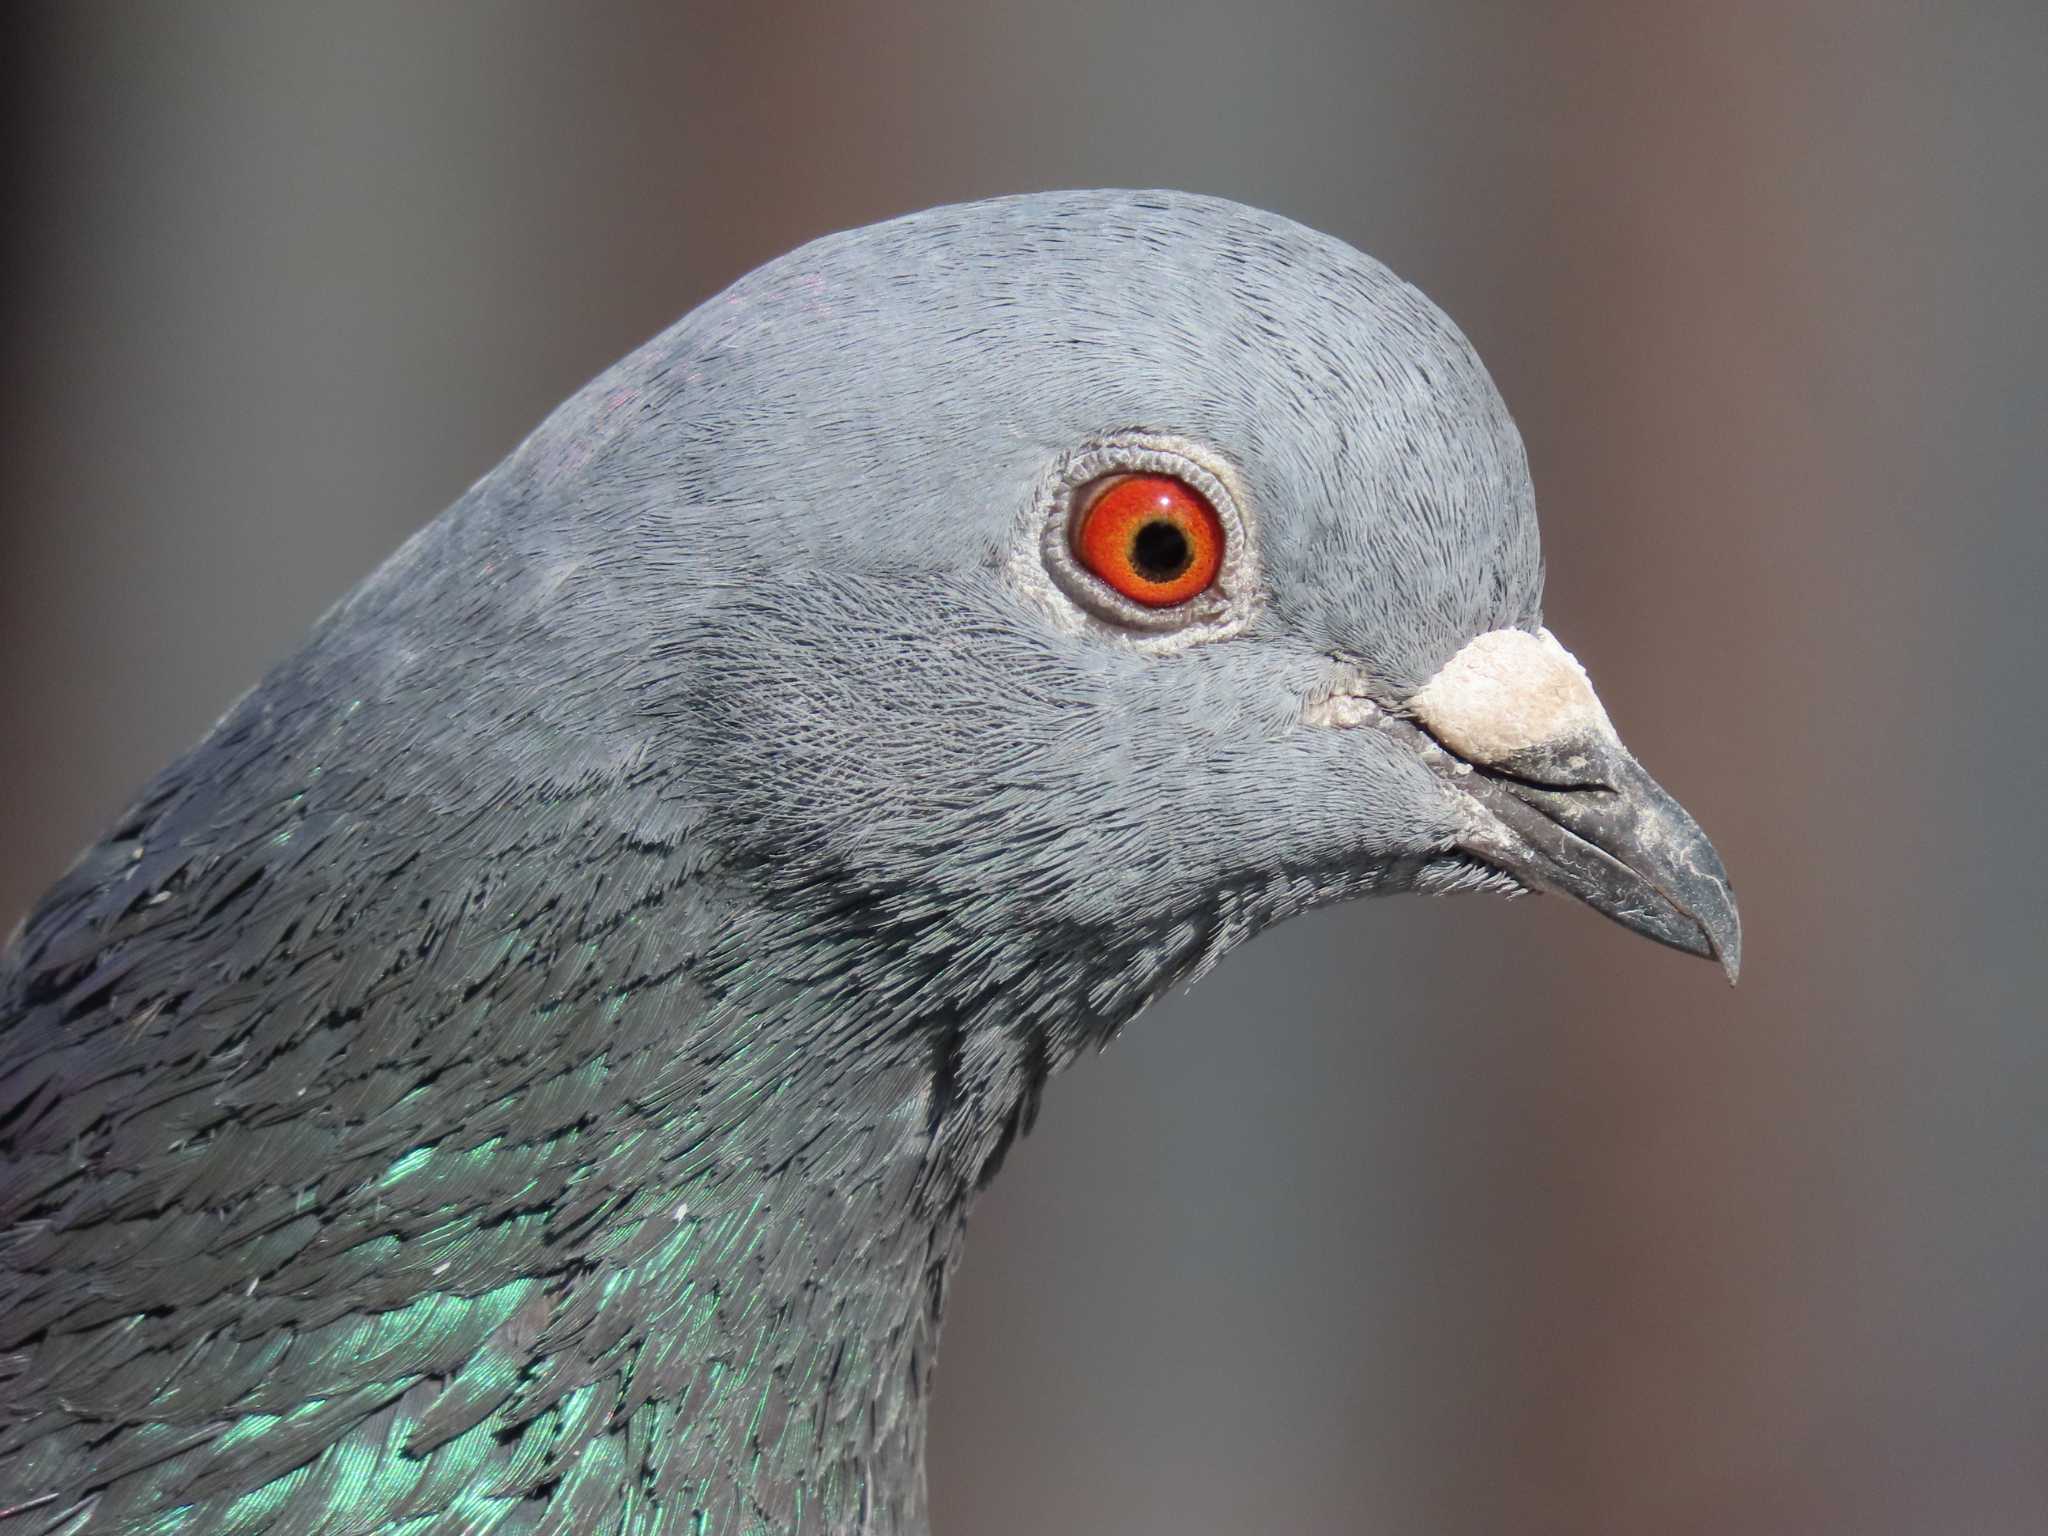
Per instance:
x=1153, y=538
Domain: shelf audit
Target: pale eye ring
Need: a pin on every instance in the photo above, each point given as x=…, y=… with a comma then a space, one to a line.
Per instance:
x=1146, y=537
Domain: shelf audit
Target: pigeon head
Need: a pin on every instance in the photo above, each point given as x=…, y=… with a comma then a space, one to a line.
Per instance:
x=849, y=493
x=541, y=1047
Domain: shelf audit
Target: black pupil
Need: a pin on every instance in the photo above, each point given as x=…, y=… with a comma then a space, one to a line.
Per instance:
x=1160, y=551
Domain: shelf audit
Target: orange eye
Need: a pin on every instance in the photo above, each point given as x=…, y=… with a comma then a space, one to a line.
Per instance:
x=1153, y=538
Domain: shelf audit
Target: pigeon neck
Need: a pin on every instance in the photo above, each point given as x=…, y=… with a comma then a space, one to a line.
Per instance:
x=752, y=1269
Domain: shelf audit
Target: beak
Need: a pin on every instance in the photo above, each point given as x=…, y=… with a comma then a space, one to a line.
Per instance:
x=1555, y=800
x=1620, y=844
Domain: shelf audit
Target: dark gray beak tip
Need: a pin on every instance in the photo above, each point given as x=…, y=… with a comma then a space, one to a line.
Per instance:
x=1731, y=961
x=1724, y=938
x=1729, y=947
x=1674, y=858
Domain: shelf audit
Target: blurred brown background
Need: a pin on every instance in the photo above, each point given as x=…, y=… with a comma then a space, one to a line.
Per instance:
x=1448, y=1217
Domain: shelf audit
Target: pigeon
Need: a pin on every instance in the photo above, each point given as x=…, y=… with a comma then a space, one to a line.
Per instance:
x=528, y=1068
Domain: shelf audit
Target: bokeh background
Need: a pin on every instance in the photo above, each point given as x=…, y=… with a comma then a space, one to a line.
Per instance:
x=1449, y=1217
